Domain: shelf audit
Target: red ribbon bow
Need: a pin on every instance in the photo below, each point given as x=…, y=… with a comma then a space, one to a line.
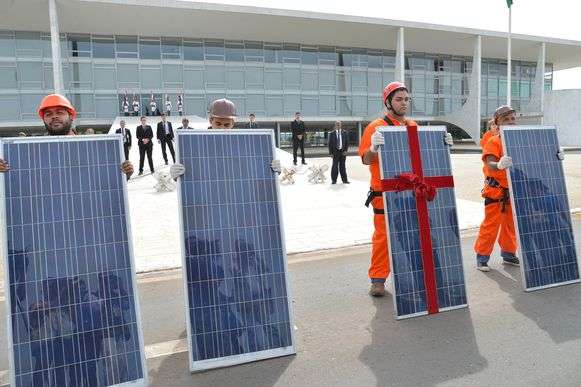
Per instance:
x=411, y=181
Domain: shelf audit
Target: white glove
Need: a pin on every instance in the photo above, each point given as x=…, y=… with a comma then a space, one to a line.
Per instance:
x=275, y=166
x=448, y=140
x=504, y=162
x=376, y=140
x=561, y=154
x=176, y=170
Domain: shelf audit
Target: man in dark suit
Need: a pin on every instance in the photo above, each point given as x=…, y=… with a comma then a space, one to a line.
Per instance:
x=185, y=124
x=165, y=137
x=126, y=138
x=144, y=135
x=298, y=131
x=338, y=146
x=251, y=124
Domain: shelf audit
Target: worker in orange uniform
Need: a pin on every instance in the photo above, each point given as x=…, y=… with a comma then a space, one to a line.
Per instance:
x=492, y=130
x=58, y=115
x=497, y=210
x=397, y=100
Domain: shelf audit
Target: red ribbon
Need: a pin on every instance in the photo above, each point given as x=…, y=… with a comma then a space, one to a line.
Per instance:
x=424, y=190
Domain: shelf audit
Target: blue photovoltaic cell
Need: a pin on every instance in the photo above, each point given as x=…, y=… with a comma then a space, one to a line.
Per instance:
x=540, y=206
x=404, y=239
x=233, y=249
x=69, y=269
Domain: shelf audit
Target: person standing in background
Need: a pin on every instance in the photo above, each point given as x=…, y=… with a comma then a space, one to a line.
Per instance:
x=298, y=136
x=144, y=135
x=338, y=147
x=126, y=138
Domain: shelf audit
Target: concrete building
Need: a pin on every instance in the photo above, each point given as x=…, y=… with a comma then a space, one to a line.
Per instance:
x=270, y=62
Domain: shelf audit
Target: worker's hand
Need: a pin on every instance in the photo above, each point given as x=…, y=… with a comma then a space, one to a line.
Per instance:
x=4, y=167
x=176, y=170
x=275, y=166
x=561, y=154
x=448, y=140
x=300, y=136
x=376, y=140
x=127, y=168
x=504, y=162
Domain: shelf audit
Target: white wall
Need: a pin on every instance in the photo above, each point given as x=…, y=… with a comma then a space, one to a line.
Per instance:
x=563, y=108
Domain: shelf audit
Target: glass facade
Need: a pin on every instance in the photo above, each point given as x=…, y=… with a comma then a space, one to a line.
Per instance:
x=269, y=79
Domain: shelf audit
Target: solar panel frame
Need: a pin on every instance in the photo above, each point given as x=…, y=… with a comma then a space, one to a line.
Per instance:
x=403, y=129
x=4, y=249
x=208, y=364
x=508, y=129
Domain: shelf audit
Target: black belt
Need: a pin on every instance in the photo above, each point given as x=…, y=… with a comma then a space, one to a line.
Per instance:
x=504, y=200
x=378, y=211
x=372, y=195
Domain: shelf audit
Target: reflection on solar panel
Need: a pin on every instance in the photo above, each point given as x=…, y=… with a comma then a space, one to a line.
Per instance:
x=74, y=318
x=540, y=207
x=233, y=247
x=419, y=281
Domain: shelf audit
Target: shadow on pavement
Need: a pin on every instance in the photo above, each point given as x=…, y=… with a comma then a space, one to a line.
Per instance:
x=174, y=371
x=556, y=311
x=423, y=351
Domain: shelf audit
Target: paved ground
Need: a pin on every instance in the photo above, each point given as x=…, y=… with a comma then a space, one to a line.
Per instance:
x=506, y=337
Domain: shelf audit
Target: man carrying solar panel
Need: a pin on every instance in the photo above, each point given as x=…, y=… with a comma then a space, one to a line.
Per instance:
x=497, y=211
x=58, y=114
x=222, y=116
x=396, y=99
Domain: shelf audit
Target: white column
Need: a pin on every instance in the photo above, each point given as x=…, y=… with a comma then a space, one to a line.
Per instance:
x=476, y=80
x=400, y=56
x=541, y=74
x=468, y=117
x=509, y=60
x=57, y=69
x=358, y=132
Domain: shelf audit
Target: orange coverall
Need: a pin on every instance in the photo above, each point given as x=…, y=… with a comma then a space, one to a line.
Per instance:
x=379, y=268
x=495, y=217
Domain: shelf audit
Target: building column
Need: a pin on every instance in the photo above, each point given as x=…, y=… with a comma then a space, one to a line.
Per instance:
x=468, y=117
x=57, y=68
x=400, y=57
x=277, y=135
x=536, y=103
x=358, y=132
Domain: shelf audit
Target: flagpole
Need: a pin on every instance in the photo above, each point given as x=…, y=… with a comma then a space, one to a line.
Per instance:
x=509, y=60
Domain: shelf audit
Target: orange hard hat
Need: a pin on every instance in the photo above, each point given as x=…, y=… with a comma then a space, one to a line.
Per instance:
x=56, y=100
x=391, y=88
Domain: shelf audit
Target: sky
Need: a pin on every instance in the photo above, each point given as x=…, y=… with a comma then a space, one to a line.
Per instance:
x=555, y=18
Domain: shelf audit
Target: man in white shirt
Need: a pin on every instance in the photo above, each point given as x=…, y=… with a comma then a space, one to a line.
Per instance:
x=165, y=137
x=338, y=147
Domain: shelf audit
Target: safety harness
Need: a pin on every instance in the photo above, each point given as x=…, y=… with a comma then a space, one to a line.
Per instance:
x=373, y=194
x=492, y=182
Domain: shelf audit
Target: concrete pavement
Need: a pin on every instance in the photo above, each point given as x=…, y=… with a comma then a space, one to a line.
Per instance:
x=344, y=337
x=506, y=338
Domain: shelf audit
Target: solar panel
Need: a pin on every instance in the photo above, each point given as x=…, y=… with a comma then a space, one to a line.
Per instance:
x=238, y=303
x=422, y=284
x=540, y=206
x=74, y=319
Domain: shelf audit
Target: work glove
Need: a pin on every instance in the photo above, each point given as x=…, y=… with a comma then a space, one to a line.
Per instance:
x=448, y=140
x=275, y=166
x=376, y=140
x=504, y=162
x=176, y=170
x=4, y=167
x=561, y=154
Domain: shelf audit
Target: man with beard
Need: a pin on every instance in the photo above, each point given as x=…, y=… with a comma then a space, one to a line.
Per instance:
x=58, y=114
